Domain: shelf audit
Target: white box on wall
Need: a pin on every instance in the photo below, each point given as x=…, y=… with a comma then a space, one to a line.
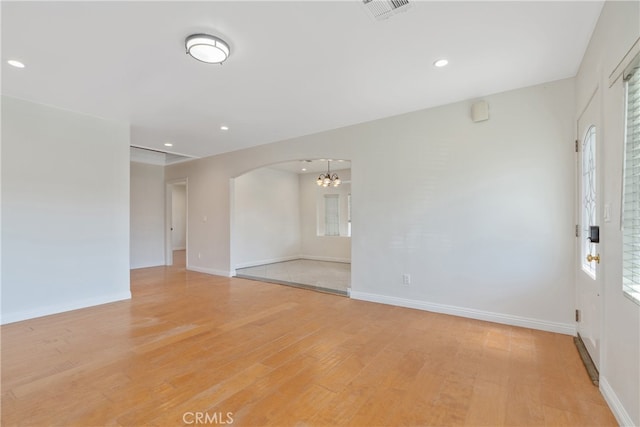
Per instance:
x=479, y=111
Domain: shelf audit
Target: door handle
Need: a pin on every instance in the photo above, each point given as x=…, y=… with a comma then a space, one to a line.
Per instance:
x=591, y=258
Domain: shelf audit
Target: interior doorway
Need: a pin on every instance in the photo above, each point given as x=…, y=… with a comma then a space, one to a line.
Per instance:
x=177, y=220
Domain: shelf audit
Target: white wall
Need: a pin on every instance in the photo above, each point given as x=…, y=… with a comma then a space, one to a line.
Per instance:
x=266, y=217
x=65, y=210
x=480, y=214
x=617, y=30
x=179, y=216
x=147, y=215
x=324, y=248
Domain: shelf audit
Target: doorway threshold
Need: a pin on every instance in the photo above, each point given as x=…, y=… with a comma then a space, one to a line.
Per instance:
x=295, y=285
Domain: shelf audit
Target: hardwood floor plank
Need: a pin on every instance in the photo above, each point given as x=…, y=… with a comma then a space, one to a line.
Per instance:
x=525, y=407
x=451, y=405
x=488, y=404
x=417, y=408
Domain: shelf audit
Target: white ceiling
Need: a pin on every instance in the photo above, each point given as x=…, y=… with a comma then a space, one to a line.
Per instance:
x=296, y=67
x=312, y=166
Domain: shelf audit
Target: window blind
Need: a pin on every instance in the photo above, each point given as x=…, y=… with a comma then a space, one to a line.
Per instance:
x=631, y=192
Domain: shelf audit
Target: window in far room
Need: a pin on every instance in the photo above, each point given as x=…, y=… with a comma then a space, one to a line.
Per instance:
x=331, y=215
x=333, y=211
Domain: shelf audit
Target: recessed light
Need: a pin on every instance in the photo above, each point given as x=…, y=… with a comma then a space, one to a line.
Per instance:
x=224, y=127
x=168, y=144
x=304, y=169
x=441, y=63
x=15, y=63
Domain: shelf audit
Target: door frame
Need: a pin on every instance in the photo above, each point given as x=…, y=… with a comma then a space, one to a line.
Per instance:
x=594, y=101
x=168, y=215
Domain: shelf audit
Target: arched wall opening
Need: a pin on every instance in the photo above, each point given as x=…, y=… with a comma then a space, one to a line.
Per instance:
x=285, y=228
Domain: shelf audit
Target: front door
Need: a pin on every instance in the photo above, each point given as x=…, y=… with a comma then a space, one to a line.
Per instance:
x=589, y=251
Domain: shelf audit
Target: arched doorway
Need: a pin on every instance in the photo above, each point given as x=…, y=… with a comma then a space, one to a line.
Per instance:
x=288, y=229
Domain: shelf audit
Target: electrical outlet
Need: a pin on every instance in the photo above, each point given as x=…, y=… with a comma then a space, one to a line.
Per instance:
x=406, y=279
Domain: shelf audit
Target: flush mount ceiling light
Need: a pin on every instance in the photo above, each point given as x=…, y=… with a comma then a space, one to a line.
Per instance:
x=328, y=179
x=207, y=48
x=168, y=144
x=223, y=127
x=441, y=63
x=15, y=63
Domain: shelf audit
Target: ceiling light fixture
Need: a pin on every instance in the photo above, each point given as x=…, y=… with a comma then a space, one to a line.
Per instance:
x=328, y=179
x=168, y=144
x=441, y=63
x=224, y=127
x=207, y=48
x=15, y=63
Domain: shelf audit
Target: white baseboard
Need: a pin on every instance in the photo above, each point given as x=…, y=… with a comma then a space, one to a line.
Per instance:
x=61, y=308
x=211, y=271
x=326, y=258
x=266, y=261
x=622, y=416
x=146, y=263
x=180, y=248
x=507, y=319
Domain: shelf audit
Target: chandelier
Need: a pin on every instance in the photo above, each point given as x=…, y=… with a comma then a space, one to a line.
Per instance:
x=326, y=180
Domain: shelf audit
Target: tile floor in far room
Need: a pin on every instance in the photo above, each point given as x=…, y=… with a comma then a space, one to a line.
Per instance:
x=334, y=277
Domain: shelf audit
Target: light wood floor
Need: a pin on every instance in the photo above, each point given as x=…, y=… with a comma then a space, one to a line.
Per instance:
x=191, y=343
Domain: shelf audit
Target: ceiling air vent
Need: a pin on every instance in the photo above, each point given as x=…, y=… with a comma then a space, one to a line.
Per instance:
x=382, y=9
